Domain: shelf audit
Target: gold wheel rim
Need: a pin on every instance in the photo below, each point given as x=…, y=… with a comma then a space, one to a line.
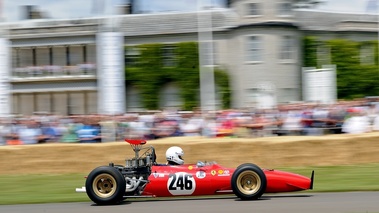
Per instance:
x=248, y=182
x=104, y=185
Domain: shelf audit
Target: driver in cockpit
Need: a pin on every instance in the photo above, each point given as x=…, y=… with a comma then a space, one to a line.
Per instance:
x=174, y=156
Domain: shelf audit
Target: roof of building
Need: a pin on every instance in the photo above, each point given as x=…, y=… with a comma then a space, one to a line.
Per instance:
x=332, y=21
x=184, y=22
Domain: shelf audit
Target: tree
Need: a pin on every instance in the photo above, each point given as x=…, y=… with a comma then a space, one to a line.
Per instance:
x=148, y=74
x=354, y=79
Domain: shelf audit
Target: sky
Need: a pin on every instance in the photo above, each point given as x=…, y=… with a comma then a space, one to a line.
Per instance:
x=62, y=9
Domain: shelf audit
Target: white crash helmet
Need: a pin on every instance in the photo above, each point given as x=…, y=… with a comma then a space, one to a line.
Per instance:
x=174, y=154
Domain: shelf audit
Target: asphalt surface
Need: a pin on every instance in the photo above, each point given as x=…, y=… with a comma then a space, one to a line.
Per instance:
x=347, y=202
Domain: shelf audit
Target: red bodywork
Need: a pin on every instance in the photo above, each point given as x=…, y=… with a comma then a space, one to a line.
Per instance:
x=213, y=179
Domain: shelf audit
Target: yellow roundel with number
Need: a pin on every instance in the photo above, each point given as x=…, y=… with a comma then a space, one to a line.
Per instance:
x=190, y=167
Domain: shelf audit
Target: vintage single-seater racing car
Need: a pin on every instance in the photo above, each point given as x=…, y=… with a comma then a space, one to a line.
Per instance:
x=141, y=176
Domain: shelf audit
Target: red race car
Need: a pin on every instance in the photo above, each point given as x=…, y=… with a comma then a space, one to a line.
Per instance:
x=143, y=177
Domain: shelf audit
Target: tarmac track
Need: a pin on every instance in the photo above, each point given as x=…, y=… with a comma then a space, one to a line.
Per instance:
x=346, y=202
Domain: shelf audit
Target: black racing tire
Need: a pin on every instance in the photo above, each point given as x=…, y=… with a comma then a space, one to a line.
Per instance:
x=105, y=185
x=119, y=167
x=248, y=182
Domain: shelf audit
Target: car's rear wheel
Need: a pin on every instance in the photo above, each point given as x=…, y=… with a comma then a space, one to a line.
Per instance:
x=248, y=182
x=105, y=185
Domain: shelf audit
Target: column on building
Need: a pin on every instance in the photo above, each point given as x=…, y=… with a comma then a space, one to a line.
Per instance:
x=5, y=72
x=111, y=83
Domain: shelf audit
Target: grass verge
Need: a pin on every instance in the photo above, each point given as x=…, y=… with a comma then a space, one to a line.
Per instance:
x=54, y=188
x=342, y=178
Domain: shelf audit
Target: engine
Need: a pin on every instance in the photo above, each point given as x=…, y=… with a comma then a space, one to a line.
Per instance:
x=137, y=170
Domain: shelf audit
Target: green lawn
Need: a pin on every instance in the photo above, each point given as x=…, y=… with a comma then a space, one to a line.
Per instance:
x=41, y=188
x=61, y=188
x=342, y=178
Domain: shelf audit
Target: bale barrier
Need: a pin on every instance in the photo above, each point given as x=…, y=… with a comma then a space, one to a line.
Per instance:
x=267, y=152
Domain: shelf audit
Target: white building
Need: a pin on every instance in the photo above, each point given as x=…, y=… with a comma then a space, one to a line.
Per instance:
x=55, y=67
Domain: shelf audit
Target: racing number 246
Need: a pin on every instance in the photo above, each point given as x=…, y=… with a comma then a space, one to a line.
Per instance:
x=180, y=182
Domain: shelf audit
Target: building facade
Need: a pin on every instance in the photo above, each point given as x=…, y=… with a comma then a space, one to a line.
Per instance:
x=54, y=63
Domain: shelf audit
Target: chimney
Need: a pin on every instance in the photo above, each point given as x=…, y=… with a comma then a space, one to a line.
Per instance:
x=126, y=8
x=228, y=3
x=30, y=12
x=123, y=9
x=131, y=6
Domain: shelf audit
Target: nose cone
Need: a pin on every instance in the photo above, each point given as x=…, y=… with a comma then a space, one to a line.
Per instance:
x=297, y=182
x=279, y=181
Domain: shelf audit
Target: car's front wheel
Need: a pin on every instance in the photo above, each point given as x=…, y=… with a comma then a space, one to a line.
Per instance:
x=248, y=182
x=105, y=185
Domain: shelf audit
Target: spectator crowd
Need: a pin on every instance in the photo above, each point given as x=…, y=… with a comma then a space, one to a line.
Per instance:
x=345, y=117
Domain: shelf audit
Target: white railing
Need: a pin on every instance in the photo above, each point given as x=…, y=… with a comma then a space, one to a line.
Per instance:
x=87, y=69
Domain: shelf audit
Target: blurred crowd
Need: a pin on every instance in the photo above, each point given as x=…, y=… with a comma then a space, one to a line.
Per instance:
x=346, y=117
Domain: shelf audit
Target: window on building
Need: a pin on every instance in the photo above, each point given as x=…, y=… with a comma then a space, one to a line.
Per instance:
x=43, y=102
x=169, y=59
x=92, y=97
x=42, y=56
x=16, y=65
x=254, y=9
x=26, y=57
x=15, y=57
x=60, y=103
x=287, y=51
x=367, y=54
x=133, y=99
x=26, y=103
x=254, y=48
x=284, y=9
x=132, y=55
x=76, y=104
x=76, y=55
x=59, y=55
x=169, y=97
x=15, y=103
x=91, y=53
